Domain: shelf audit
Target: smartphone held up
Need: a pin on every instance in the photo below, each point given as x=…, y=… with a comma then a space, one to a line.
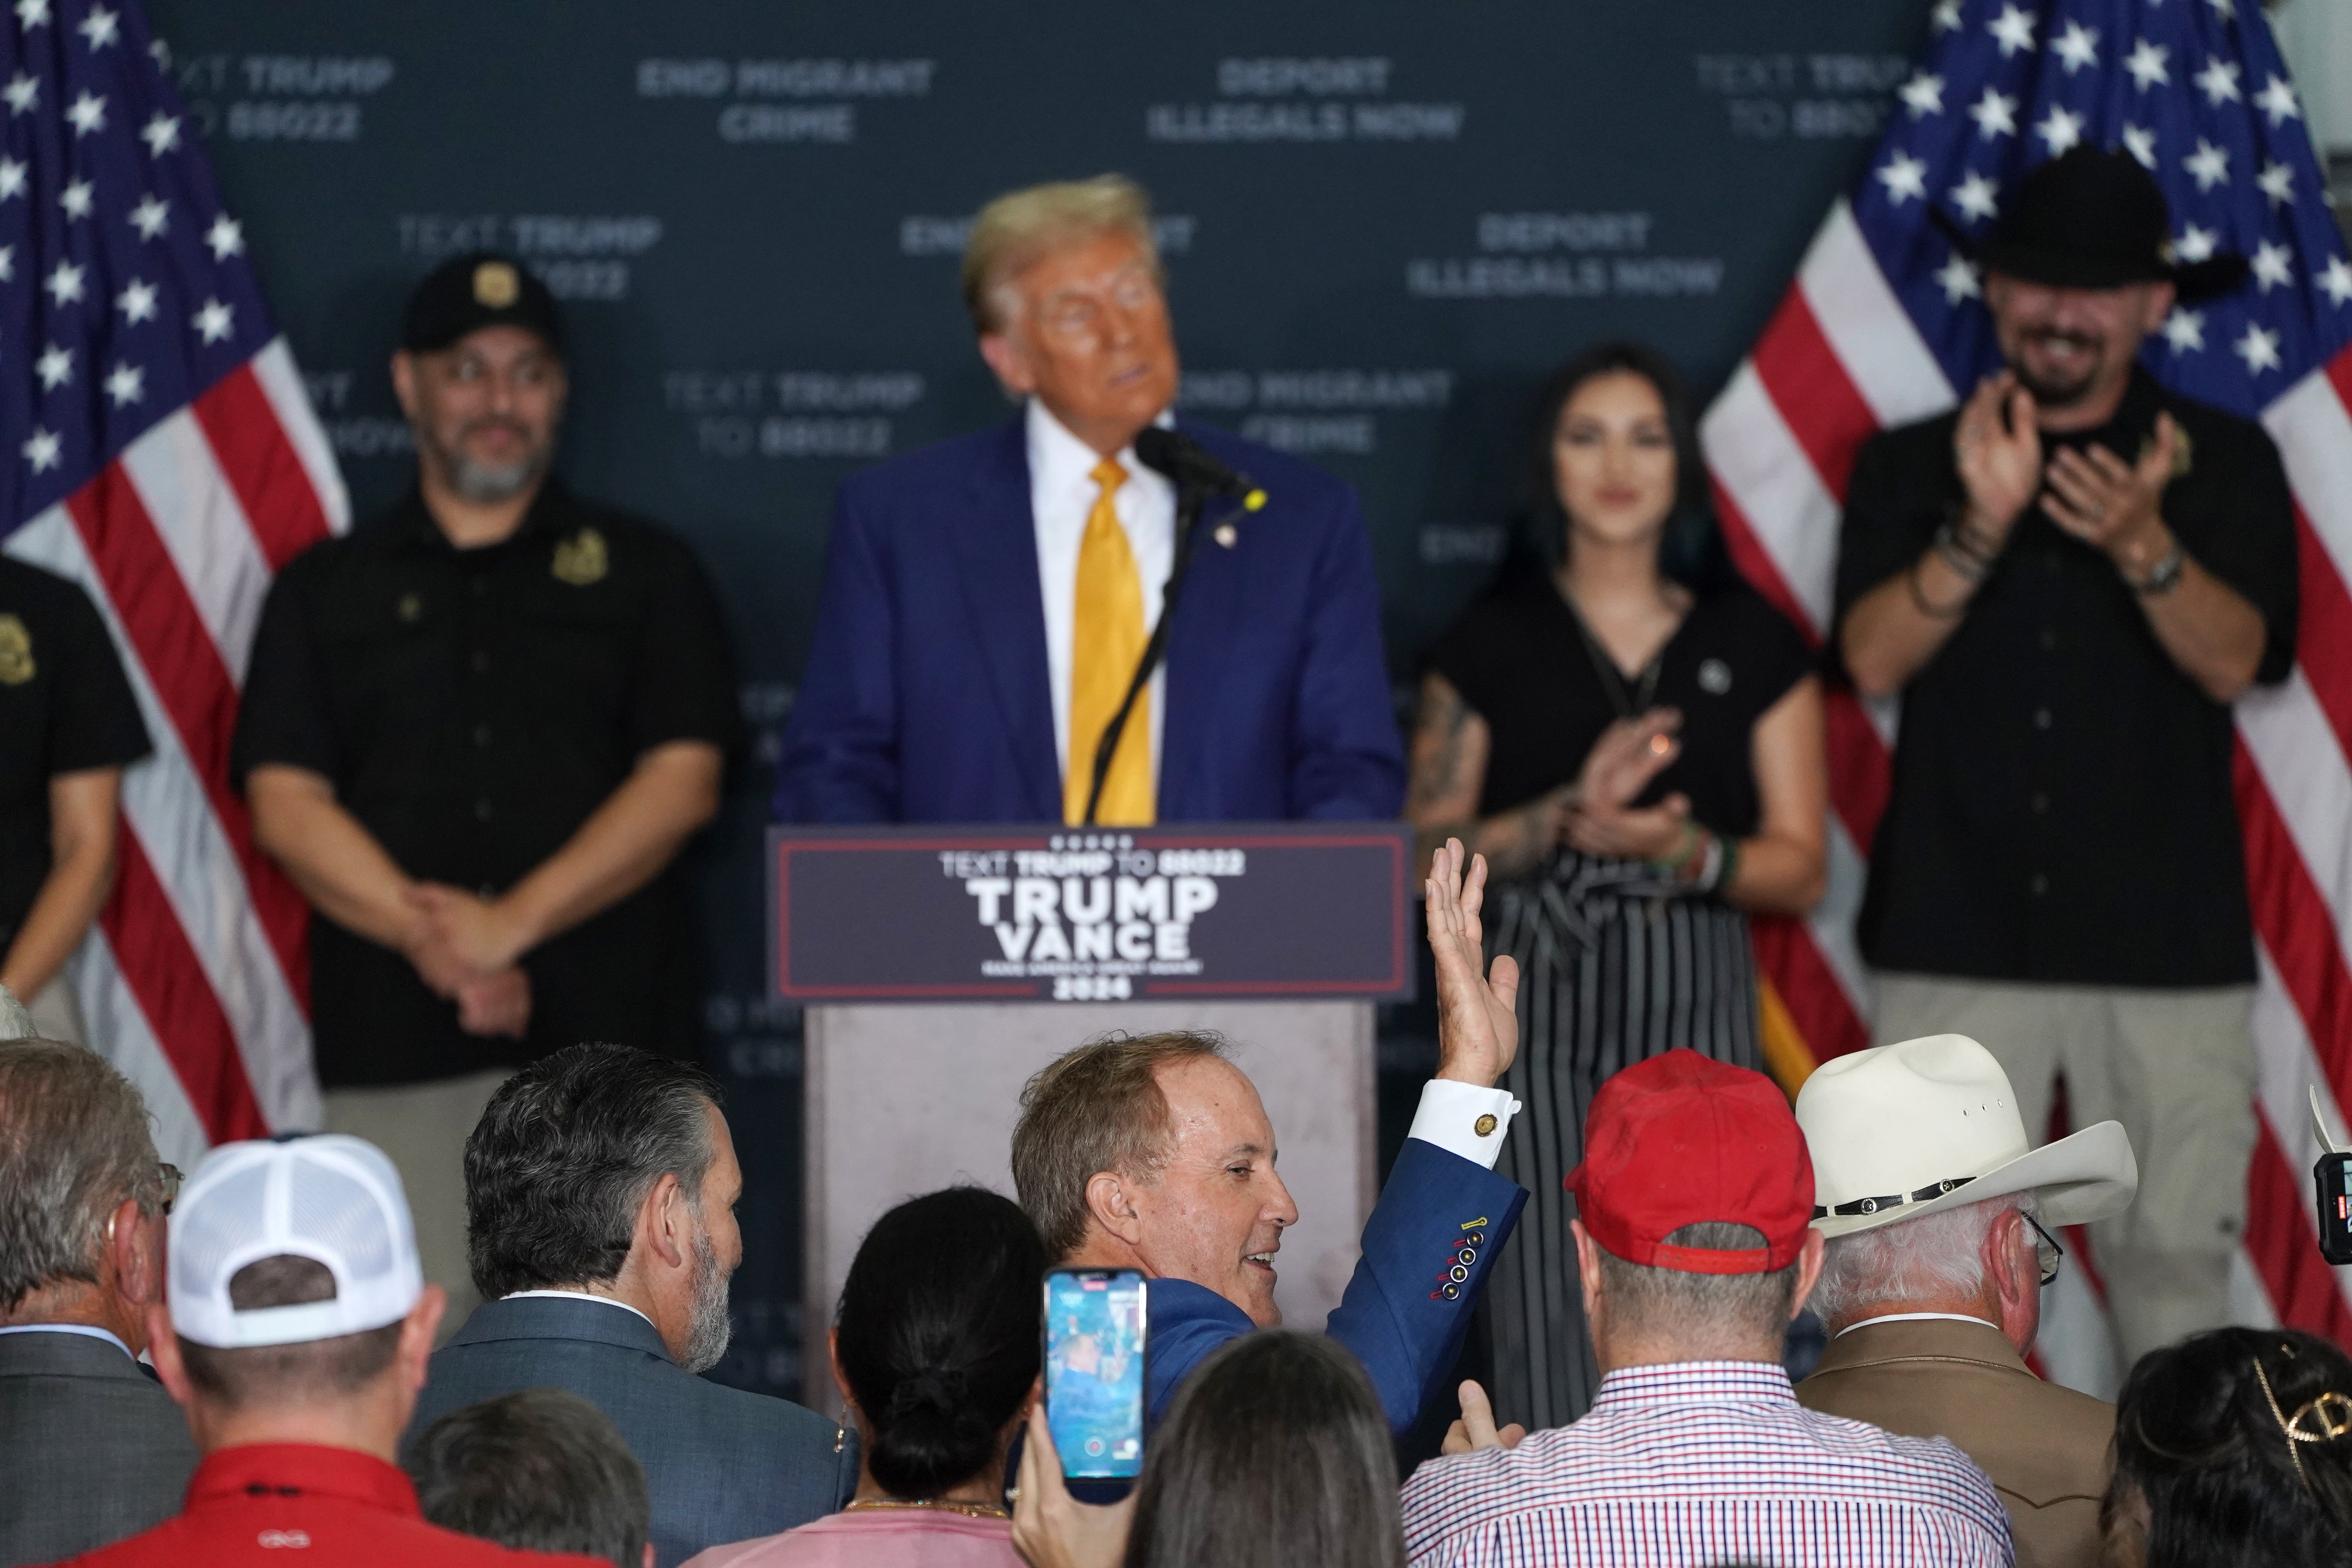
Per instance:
x=1094, y=1388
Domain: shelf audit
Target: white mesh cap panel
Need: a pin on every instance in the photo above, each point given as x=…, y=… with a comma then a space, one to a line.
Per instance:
x=332, y=1198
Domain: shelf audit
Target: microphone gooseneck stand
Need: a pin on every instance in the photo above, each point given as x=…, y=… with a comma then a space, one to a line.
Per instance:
x=1190, y=501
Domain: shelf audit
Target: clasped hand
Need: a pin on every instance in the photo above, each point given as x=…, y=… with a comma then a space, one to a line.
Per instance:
x=1598, y=816
x=2090, y=493
x=464, y=949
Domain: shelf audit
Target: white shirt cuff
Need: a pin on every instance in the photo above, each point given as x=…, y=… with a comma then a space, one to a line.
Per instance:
x=1463, y=1119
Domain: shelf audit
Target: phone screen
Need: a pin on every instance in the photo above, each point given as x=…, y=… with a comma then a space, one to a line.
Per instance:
x=1093, y=1369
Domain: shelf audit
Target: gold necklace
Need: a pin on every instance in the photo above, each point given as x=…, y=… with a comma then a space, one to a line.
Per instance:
x=937, y=1504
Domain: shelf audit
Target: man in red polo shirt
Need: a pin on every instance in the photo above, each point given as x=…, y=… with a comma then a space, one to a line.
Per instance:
x=296, y=1340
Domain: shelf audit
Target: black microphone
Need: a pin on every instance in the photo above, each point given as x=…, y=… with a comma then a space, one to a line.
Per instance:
x=1193, y=467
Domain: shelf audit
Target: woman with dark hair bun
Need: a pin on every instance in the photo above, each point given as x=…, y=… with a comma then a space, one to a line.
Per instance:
x=2233, y=1448
x=1273, y=1455
x=935, y=1348
x=1633, y=739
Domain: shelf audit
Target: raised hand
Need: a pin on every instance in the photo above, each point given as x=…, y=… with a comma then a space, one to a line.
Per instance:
x=1999, y=461
x=1051, y=1528
x=1477, y=1017
x=1476, y=1428
x=1629, y=754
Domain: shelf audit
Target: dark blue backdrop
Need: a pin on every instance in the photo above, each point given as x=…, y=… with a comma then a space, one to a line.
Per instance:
x=1383, y=222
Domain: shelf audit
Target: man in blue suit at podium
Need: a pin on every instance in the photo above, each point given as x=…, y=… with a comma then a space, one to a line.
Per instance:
x=1153, y=1153
x=987, y=600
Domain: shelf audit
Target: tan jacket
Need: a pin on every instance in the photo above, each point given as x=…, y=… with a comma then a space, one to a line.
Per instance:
x=2047, y=1449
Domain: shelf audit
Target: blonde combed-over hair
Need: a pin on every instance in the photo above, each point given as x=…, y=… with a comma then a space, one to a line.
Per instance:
x=1020, y=228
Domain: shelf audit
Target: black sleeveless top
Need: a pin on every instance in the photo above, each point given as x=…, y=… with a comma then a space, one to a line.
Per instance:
x=1519, y=658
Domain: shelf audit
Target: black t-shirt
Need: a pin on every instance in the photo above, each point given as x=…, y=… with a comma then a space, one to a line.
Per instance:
x=65, y=707
x=1519, y=658
x=2061, y=808
x=472, y=708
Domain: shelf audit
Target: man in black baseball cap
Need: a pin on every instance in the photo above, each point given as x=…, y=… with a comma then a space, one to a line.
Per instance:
x=2069, y=580
x=475, y=732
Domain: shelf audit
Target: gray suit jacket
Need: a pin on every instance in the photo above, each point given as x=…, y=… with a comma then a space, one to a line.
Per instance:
x=2045, y=1447
x=722, y=1465
x=91, y=1448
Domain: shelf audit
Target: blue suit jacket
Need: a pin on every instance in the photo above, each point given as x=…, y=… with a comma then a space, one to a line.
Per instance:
x=927, y=697
x=722, y=1465
x=1427, y=1248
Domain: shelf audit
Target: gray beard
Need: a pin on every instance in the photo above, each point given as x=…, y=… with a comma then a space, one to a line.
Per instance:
x=478, y=482
x=707, y=1335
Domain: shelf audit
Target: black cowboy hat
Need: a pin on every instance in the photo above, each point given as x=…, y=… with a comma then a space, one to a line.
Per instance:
x=2090, y=218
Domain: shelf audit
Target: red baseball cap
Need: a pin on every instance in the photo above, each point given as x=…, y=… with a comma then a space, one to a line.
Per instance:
x=1681, y=1139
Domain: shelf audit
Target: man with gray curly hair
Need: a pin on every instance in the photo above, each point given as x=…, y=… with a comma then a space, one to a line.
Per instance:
x=1938, y=1218
x=91, y=1448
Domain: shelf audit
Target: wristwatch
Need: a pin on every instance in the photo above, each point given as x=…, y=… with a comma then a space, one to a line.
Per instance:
x=2164, y=576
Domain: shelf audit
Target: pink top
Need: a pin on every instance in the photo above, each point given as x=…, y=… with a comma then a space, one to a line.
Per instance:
x=875, y=1538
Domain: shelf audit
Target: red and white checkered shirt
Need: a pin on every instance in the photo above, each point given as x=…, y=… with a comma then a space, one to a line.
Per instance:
x=1704, y=1462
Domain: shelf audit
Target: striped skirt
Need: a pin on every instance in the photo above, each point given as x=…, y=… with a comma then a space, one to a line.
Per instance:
x=1613, y=969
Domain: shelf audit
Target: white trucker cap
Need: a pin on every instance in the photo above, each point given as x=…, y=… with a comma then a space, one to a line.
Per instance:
x=332, y=1198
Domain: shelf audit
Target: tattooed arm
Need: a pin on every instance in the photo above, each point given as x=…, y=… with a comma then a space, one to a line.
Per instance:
x=1450, y=747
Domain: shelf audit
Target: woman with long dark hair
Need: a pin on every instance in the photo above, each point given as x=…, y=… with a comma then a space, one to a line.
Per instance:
x=936, y=1351
x=1632, y=738
x=2233, y=1448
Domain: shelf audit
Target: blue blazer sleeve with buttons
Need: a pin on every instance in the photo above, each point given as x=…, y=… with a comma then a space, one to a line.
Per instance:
x=1427, y=1249
x=926, y=696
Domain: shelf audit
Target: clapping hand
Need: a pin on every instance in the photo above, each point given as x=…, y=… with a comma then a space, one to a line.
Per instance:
x=1629, y=754
x=1051, y=1528
x=2113, y=505
x=1997, y=447
x=1477, y=1021
x=1476, y=1428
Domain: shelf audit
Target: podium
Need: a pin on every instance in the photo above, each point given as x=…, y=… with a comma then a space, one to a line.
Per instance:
x=941, y=967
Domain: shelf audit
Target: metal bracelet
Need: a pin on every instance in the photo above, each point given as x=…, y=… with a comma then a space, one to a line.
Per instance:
x=2164, y=576
x=1951, y=612
x=1959, y=556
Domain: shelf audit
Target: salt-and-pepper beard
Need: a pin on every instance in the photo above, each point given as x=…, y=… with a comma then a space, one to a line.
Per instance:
x=711, y=1328
x=480, y=482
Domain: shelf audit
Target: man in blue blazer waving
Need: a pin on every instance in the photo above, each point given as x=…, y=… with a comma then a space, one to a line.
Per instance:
x=987, y=599
x=1153, y=1153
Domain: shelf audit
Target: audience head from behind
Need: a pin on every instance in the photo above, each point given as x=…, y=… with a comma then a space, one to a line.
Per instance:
x=82, y=1195
x=541, y=1469
x=2233, y=1447
x=1933, y=1199
x=1274, y=1454
x=1693, y=1239
x=605, y=1170
x=298, y=1310
x=936, y=1344
x=1154, y=1153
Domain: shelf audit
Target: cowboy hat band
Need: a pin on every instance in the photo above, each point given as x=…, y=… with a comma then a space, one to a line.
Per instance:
x=1925, y=1194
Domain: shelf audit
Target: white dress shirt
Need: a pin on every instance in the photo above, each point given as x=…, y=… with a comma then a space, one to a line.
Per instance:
x=1915, y=1318
x=574, y=1295
x=1062, y=492
x=85, y=1329
x=1450, y=1114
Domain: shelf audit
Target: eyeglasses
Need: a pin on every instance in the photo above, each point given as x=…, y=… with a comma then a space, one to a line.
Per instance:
x=170, y=1176
x=2045, y=1248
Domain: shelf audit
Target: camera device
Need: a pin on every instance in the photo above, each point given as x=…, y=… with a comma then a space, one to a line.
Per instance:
x=2333, y=1177
x=1095, y=1386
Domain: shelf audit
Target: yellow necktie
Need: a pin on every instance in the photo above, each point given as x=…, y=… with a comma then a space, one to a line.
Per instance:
x=1107, y=637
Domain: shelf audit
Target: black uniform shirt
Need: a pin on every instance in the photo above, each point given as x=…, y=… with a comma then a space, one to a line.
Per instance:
x=65, y=705
x=472, y=707
x=2062, y=808
x=1520, y=662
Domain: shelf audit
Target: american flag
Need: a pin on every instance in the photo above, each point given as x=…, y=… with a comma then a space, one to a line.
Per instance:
x=1885, y=322
x=156, y=446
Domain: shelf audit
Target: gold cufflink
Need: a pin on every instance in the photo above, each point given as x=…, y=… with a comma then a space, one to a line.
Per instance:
x=1484, y=1125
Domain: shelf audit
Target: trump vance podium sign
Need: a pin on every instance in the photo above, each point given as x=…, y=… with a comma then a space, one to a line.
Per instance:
x=937, y=913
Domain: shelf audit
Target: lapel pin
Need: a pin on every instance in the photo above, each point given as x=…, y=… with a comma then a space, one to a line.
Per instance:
x=1226, y=534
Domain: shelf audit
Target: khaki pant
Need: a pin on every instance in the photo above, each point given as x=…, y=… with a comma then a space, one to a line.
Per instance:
x=56, y=1013
x=423, y=1128
x=2176, y=1069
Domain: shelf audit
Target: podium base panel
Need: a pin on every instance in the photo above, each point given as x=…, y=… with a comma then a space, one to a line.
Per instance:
x=902, y=1101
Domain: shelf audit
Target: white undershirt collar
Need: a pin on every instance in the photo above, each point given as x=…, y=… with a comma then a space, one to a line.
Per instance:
x=85, y=1329
x=1915, y=1318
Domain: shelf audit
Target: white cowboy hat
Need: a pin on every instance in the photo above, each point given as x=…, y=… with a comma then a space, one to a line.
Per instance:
x=1911, y=1128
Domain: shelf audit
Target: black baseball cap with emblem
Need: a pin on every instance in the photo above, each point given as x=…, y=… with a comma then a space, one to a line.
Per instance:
x=480, y=289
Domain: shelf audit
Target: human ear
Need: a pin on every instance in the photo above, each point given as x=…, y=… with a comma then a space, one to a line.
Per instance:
x=1808, y=1269
x=163, y=1350
x=1588, y=1268
x=1010, y=363
x=1112, y=1204
x=130, y=1249
x=661, y=1221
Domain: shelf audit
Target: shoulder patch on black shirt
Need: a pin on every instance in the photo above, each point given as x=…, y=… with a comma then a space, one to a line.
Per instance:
x=15, y=651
